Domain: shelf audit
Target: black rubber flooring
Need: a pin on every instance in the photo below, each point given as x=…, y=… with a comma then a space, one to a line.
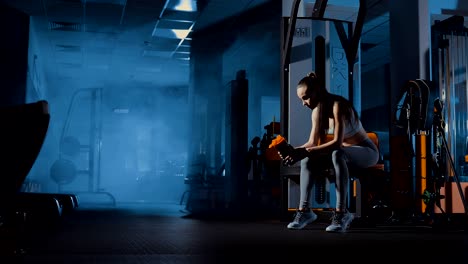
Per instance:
x=162, y=233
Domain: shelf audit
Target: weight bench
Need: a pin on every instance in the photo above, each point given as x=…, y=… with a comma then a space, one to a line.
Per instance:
x=366, y=186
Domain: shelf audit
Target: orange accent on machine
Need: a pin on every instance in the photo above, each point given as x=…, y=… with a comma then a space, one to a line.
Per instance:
x=452, y=202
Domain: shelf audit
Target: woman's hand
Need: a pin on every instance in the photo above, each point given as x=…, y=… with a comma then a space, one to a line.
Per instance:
x=294, y=156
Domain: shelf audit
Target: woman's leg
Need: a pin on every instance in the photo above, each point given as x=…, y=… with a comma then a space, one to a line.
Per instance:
x=311, y=168
x=361, y=156
x=304, y=215
x=339, y=158
x=307, y=181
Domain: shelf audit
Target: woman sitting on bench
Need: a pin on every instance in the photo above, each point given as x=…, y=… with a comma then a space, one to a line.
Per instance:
x=350, y=146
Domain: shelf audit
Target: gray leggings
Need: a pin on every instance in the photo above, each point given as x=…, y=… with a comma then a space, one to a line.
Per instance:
x=363, y=155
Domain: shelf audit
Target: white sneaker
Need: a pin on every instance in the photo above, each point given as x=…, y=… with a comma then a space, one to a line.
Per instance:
x=340, y=222
x=302, y=218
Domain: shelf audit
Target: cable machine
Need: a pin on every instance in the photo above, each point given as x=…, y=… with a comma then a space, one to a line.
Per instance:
x=450, y=72
x=434, y=165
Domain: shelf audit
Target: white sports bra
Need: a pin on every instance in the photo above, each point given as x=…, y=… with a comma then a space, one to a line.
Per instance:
x=351, y=128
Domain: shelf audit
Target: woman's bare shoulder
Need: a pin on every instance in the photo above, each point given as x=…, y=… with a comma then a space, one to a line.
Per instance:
x=338, y=106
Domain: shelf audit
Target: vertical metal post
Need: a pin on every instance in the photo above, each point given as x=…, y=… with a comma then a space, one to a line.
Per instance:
x=92, y=142
x=290, y=24
x=237, y=141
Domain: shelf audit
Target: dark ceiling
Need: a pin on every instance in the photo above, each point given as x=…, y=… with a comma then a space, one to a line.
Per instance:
x=90, y=43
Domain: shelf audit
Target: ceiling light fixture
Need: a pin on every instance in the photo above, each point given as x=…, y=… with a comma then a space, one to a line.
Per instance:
x=186, y=5
x=181, y=33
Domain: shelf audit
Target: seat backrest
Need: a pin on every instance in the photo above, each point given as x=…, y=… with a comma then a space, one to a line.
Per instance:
x=374, y=137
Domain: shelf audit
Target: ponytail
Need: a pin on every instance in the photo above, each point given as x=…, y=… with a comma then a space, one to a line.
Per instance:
x=312, y=75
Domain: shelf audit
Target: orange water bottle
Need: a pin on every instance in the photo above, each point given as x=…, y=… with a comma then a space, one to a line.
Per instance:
x=281, y=145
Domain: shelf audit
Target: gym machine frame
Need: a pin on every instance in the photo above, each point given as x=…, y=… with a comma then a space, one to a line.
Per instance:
x=350, y=44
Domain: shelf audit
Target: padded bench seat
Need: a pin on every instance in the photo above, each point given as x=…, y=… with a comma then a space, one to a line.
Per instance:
x=366, y=184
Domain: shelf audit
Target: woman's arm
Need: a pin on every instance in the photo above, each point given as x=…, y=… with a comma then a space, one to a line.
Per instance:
x=338, y=133
x=311, y=148
x=314, y=135
x=300, y=152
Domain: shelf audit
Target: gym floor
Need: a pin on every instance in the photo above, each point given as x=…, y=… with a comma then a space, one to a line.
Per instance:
x=164, y=233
